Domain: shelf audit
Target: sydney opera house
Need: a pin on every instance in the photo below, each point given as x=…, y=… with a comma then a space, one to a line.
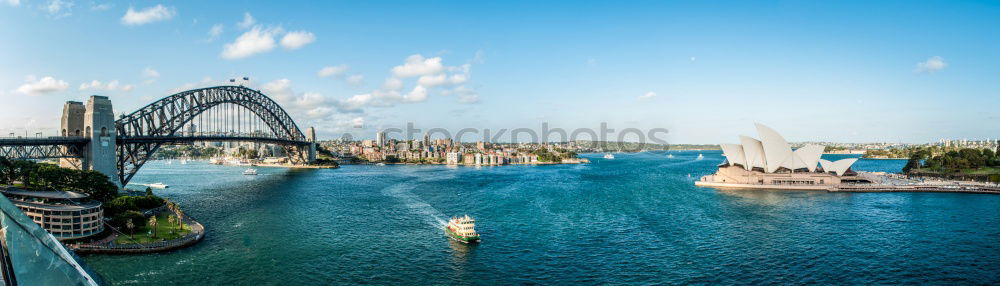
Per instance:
x=770, y=163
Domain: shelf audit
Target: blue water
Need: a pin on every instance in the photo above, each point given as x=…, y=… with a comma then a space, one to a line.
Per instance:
x=635, y=219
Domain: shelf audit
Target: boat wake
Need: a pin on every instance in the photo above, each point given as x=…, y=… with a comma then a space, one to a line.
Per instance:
x=431, y=215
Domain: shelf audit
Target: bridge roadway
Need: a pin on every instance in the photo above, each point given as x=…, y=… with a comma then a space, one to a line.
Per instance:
x=78, y=140
x=39, y=141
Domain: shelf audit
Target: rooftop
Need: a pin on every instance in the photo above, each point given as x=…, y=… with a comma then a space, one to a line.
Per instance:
x=42, y=194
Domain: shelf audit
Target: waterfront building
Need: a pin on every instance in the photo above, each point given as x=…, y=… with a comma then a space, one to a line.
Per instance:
x=380, y=138
x=771, y=163
x=66, y=215
x=453, y=158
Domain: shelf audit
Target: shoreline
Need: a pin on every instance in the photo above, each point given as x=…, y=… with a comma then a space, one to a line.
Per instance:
x=196, y=235
x=858, y=189
x=577, y=161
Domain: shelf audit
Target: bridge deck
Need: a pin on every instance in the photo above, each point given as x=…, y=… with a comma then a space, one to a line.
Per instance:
x=207, y=138
x=43, y=141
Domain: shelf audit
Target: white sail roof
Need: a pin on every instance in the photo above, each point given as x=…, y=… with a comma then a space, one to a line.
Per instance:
x=773, y=152
x=734, y=154
x=840, y=166
x=809, y=155
x=777, y=153
x=754, y=152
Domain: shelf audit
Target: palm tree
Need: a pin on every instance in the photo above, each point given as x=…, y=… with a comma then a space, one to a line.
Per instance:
x=152, y=222
x=130, y=227
x=172, y=220
x=180, y=218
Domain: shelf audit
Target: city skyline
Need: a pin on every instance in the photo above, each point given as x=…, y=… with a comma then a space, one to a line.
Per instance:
x=839, y=72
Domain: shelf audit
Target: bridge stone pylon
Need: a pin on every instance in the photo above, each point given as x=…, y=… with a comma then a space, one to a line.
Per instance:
x=96, y=122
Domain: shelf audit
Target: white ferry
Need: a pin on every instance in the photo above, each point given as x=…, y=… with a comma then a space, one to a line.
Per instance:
x=157, y=185
x=609, y=156
x=462, y=229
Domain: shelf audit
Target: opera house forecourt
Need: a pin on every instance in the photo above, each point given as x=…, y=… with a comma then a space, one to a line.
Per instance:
x=770, y=163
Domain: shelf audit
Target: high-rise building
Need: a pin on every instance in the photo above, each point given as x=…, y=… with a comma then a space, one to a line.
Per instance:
x=380, y=138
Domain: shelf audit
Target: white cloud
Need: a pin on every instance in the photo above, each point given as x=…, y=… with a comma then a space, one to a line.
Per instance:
x=417, y=65
x=35, y=86
x=931, y=65
x=356, y=80
x=647, y=95
x=334, y=71
x=252, y=42
x=355, y=103
x=110, y=86
x=392, y=84
x=418, y=94
x=59, y=8
x=215, y=31
x=431, y=75
x=441, y=79
x=248, y=21
x=100, y=7
x=148, y=15
x=280, y=90
x=150, y=73
x=311, y=105
x=296, y=40
x=13, y=3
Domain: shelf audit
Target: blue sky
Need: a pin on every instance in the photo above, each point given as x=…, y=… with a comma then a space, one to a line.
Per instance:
x=706, y=70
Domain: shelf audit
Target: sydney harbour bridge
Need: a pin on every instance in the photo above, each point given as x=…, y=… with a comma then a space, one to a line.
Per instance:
x=92, y=138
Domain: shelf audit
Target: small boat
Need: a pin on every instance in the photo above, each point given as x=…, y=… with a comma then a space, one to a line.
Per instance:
x=700, y=156
x=250, y=172
x=158, y=185
x=184, y=161
x=462, y=229
x=609, y=156
x=380, y=164
x=671, y=156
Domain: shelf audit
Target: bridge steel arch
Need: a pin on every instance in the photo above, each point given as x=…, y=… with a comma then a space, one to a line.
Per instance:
x=142, y=132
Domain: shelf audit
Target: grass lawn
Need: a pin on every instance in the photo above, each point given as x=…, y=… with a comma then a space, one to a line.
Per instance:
x=982, y=171
x=164, y=231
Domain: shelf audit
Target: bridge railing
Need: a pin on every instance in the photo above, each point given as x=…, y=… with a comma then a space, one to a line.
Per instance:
x=39, y=137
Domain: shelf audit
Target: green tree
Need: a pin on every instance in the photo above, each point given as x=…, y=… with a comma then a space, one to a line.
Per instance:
x=152, y=223
x=6, y=171
x=130, y=226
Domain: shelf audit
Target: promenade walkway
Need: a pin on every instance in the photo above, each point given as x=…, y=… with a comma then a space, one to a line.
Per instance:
x=108, y=245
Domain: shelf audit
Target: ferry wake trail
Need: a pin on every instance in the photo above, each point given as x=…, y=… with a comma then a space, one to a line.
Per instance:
x=433, y=217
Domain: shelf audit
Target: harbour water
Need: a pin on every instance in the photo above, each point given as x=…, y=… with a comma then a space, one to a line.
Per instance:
x=635, y=219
